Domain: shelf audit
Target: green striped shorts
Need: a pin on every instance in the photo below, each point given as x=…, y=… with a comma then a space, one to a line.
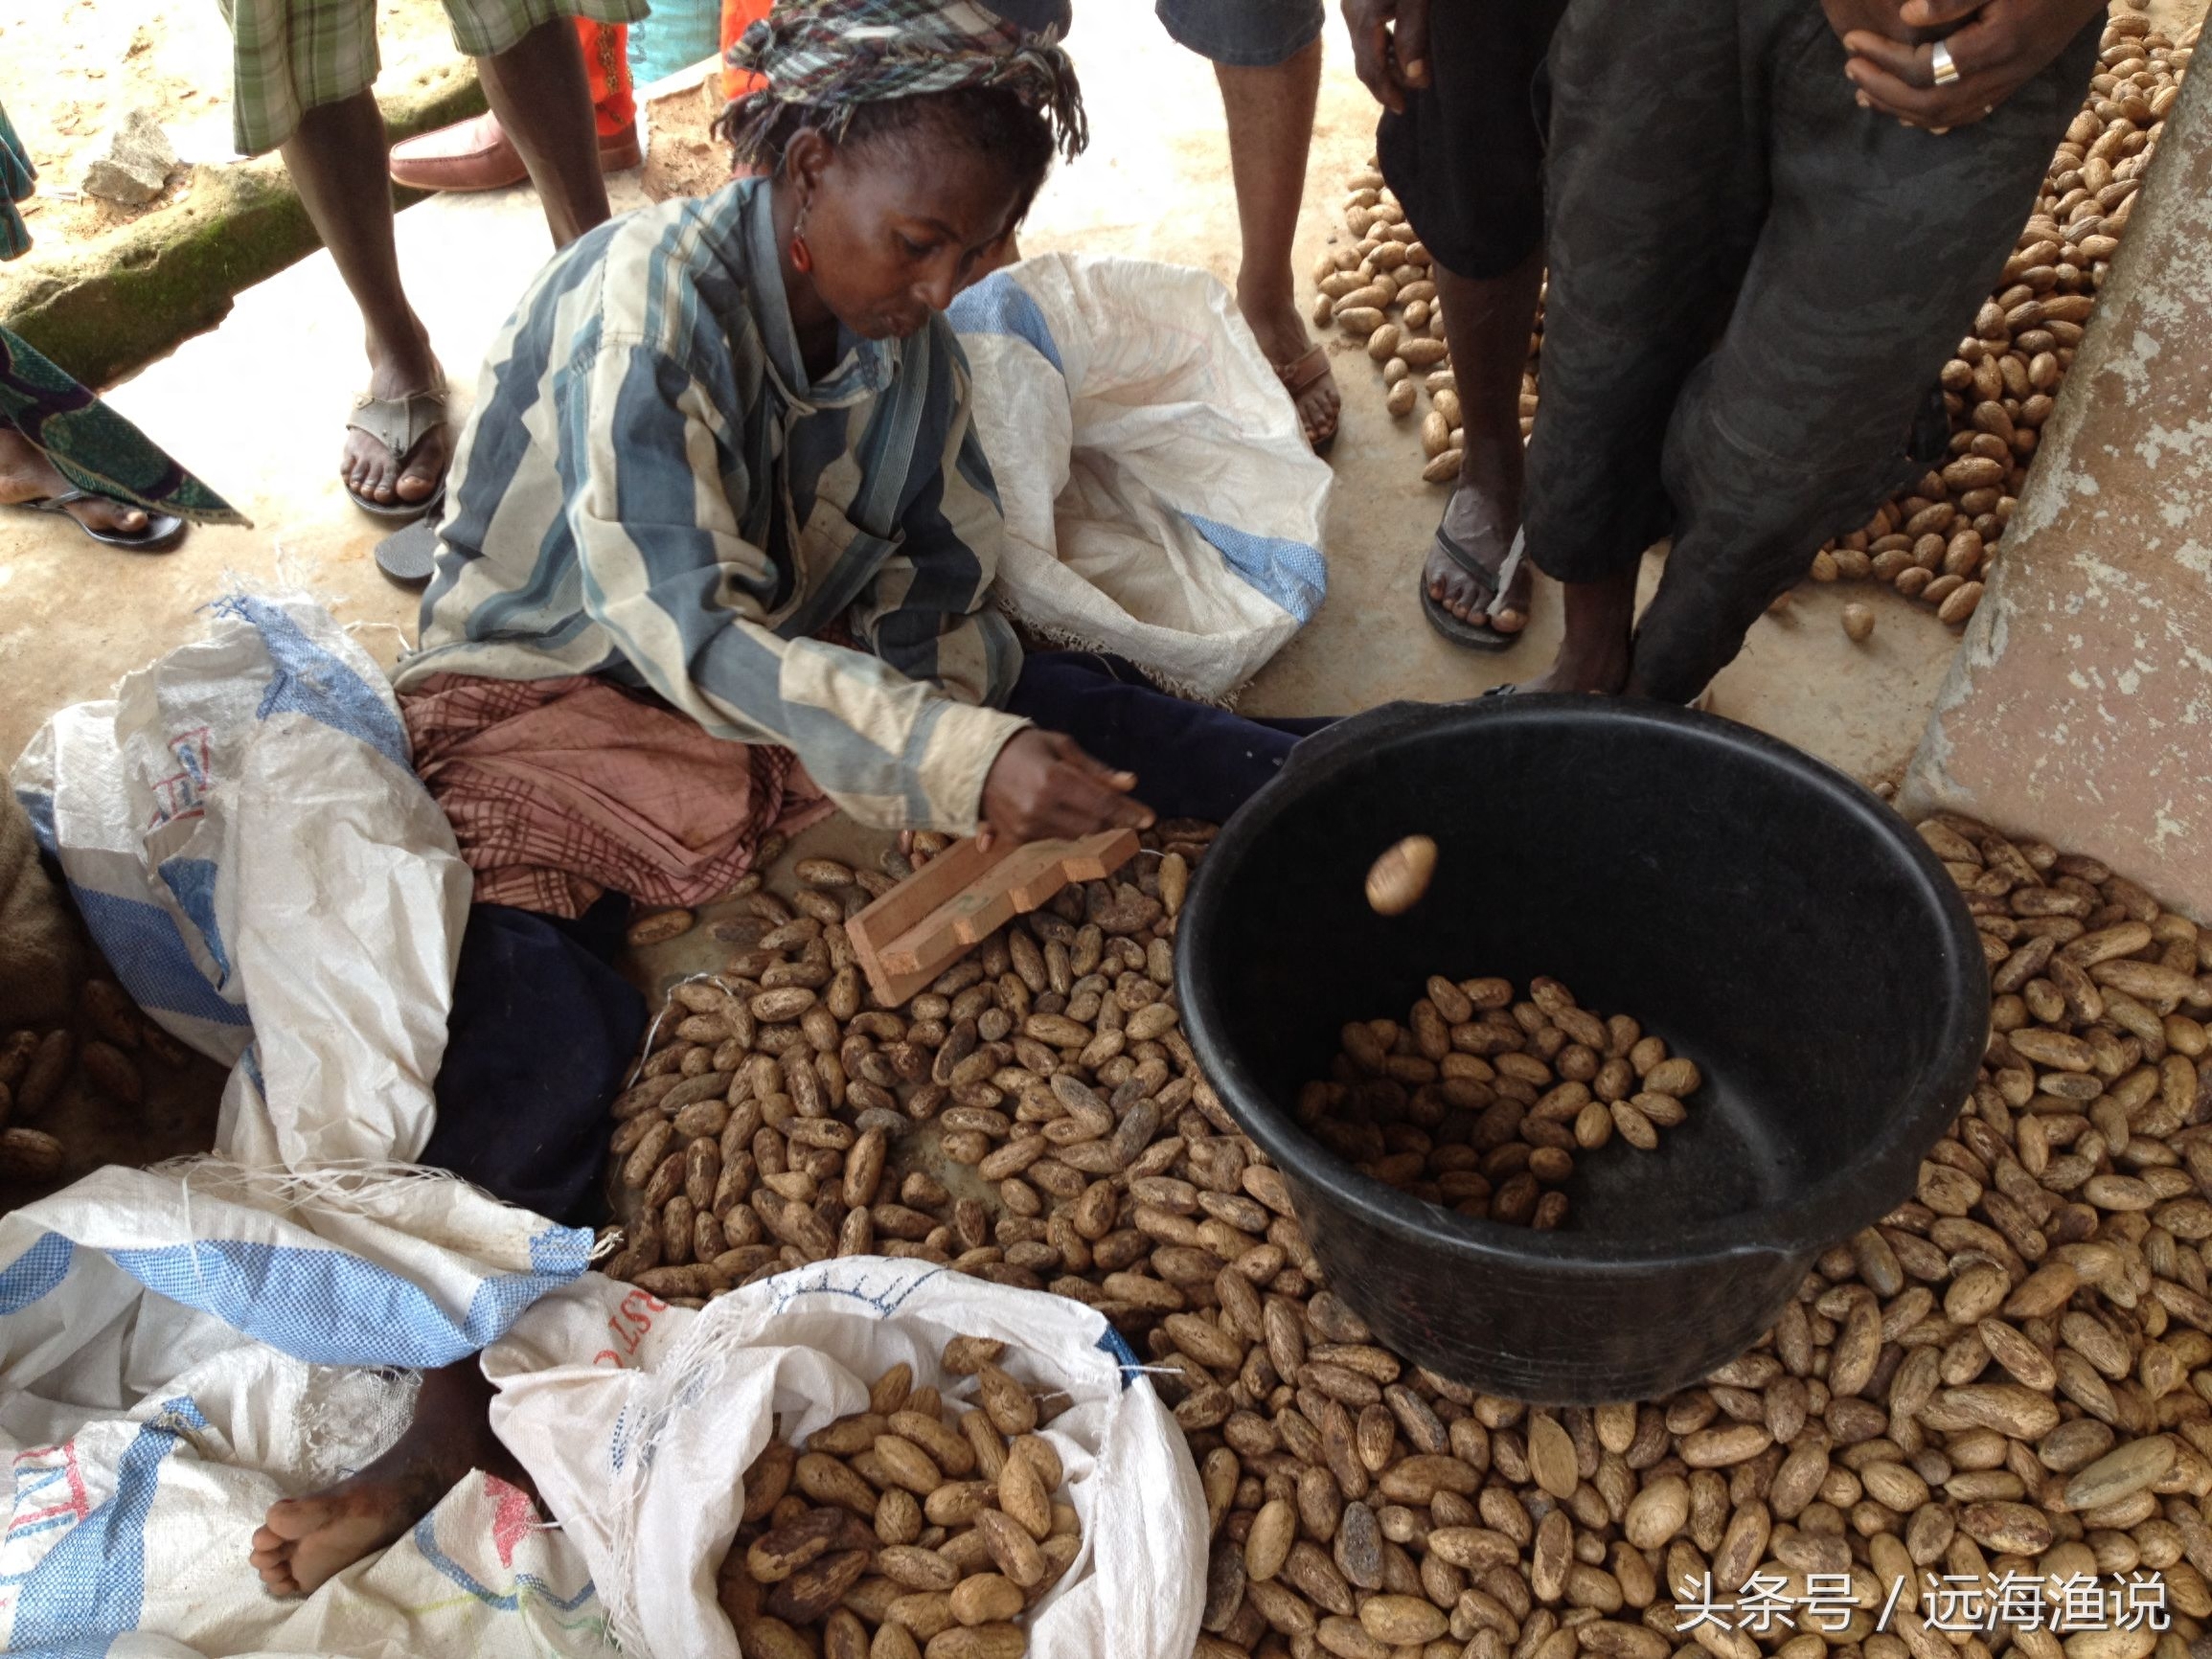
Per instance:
x=289, y=56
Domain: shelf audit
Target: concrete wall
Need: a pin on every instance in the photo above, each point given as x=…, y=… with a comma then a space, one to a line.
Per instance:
x=2080, y=706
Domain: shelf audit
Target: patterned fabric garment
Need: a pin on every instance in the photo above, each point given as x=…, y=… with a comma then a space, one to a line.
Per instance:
x=652, y=489
x=18, y=178
x=93, y=446
x=834, y=56
x=288, y=57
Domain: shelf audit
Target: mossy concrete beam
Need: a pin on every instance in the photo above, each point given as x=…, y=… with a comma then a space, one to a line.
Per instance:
x=103, y=310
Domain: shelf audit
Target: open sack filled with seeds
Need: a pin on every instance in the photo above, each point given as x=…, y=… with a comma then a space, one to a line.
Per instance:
x=1161, y=500
x=771, y=1474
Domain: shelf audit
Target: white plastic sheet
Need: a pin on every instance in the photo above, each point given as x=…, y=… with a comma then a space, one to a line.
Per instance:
x=1160, y=499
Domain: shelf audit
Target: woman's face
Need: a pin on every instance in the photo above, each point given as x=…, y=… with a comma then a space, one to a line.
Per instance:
x=898, y=226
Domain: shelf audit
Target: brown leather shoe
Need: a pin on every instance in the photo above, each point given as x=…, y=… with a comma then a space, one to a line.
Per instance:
x=477, y=154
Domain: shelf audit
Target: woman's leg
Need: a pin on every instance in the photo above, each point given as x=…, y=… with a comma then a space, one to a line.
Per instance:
x=542, y=1033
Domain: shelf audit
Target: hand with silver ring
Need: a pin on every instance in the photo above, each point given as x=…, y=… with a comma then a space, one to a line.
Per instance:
x=1989, y=49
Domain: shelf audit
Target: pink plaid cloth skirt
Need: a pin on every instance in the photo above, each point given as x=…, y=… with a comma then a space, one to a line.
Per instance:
x=561, y=790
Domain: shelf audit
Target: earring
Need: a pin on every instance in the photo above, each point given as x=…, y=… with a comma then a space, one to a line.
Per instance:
x=802, y=255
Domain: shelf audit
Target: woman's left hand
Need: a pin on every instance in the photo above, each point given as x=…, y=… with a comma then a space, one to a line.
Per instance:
x=1997, y=46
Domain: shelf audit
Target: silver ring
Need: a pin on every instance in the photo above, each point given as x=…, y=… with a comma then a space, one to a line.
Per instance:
x=1946, y=70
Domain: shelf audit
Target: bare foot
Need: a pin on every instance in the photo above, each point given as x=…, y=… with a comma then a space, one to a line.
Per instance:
x=304, y=1541
x=27, y=475
x=1282, y=337
x=1481, y=516
x=367, y=468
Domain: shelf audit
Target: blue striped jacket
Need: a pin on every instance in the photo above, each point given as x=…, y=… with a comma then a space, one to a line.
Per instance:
x=650, y=488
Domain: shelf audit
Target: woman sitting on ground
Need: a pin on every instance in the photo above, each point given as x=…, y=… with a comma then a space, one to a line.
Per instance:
x=719, y=547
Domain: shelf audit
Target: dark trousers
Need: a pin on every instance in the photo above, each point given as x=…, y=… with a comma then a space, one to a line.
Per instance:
x=544, y=1030
x=1711, y=179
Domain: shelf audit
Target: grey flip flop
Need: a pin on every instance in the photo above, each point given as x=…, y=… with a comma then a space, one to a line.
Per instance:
x=399, y=425
x=1475, y=638
x=410, y=556
x=162, y=530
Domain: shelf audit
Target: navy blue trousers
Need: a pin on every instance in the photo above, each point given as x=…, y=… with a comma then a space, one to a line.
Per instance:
x=544, y=1029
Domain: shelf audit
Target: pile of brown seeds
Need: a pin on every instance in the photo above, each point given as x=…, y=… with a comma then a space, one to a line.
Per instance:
x=909, y=1530
x=99, y=1048
x=1479, y=1101
x=2006, y=1378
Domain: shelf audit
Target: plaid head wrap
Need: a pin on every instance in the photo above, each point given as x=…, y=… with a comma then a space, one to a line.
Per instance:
x=834, y=56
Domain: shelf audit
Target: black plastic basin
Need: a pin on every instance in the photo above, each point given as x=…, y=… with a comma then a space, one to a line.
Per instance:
x=1763, y=913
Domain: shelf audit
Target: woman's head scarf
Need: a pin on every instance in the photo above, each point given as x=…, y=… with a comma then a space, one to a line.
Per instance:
x=831, y=56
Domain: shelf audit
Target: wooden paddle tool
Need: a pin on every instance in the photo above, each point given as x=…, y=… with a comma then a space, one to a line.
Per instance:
x=959, y=899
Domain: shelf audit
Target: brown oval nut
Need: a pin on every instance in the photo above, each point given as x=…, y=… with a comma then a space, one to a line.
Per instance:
x=828, y=1481
x=778, y=1554
x=1023, y=1495
x=1400, y=876
x=1005, y=1401
x=948, y=1448
x=1039, y=1452
x=2138, y=1464
x=926, y=1614
x=916, y=1569
x=2011, y=1528
x=907, y=1464
x=660, y=926
x=767, y=1480
x=815, y=1588
x=29, y=1155
x=1400, y=1619
x=987, y=1599
x=773, y=1638
x=844, y=1636
x=1013, y=1547
x=1677, y=1077
x=893, y=1642
x=995, y=1641
x=958, y=1503
x=114, y=1073
x=1267, y=1545
x=48, y=1070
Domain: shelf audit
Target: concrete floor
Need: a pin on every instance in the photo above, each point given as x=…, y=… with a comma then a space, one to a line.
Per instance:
x=257, y=407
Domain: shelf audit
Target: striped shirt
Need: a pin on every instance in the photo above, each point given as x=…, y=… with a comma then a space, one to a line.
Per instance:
x=650, y=488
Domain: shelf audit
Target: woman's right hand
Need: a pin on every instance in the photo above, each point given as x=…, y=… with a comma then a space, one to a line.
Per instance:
x=1042, y=788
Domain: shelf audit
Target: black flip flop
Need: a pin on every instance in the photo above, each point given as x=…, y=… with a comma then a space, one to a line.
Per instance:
x=1474, y=638
x=410, y=556
x=162, y=530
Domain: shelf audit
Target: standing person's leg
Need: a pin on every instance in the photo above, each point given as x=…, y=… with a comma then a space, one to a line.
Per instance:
x=1654, y=186
x=1266, y=56
x=537, y=88
x=1881, y=243
x=1466, y=160
x=336, y=159
x=477, y=154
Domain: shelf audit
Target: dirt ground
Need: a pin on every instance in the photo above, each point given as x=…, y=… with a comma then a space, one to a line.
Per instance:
x=77, y=66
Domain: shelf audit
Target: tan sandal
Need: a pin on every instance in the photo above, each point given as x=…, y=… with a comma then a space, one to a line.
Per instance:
x=399, y=425
x=1301, y=377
